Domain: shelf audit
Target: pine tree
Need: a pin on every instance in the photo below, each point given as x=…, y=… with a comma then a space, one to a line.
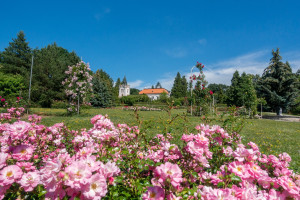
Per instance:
x=50, y=64
x=184, y=87
x=233, y=94
x=247, y=92
x=176, y=90
x=102, y=96
x=241, y=91
x=16, y=58
x=278, y=84
x=117, y=87
x=102, y=89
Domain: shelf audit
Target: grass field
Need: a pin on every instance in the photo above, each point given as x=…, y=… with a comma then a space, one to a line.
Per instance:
x=273, y=137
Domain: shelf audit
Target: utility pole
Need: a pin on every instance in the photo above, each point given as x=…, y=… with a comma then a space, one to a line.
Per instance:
x=30, y=84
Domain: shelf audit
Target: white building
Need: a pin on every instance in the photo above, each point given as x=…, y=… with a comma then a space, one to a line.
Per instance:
x=124, y=90
x=154, y=94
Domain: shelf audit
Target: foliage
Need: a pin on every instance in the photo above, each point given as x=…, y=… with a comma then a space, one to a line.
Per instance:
x=219, y=91
x=16, y=58
x=134, y=91
x=163, y=97
x=103, y=90
x=132, y=99
x=179, y=88
x=278, y=85
x=295, y=108
x=78, y=85
x=50, y=64
x=242, y=92
x=116, y=90
x=11, y=85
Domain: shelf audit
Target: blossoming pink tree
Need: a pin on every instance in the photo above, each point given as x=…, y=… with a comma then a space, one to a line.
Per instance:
x=78, y=84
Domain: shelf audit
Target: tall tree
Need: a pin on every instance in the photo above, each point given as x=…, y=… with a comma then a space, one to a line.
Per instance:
x=176, y=90
x=16, y=58
x=184, y=87
x=242, y=91
x=103, y=90
x=247, y=92
x=116, y=88
x=233, y=94
x=50, y=64
x=278, y=84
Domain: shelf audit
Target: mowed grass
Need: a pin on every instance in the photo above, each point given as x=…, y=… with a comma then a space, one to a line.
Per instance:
x=272, y=137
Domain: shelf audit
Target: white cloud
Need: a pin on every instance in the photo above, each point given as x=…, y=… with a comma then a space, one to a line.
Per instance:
x=221, y=72
x=202, y=41
x=136, y=84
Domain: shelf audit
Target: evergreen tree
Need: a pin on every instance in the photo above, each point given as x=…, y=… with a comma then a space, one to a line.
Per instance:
x=158, y=85
x=124, y=82
x=102, y=96
x=16, y=58
x=152, y=87
x=278, y=84
x=219, y=91
x=50, y=64
x=242, y=91
x=134, y=91
x=233, y=94
x=184, y=87
x=102, y=89
x=247, y=92
x=176, y=90
x=117, y=87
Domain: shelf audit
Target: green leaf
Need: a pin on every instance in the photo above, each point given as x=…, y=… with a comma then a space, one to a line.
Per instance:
x=236, y=178
x=43, y=192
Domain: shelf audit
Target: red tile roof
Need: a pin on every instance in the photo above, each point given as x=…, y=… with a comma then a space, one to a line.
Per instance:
x=154, y=91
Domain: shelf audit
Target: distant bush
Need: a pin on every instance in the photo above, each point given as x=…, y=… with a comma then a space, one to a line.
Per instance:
x=132, y=99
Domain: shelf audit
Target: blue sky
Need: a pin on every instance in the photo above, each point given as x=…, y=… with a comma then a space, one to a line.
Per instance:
x=150, y=41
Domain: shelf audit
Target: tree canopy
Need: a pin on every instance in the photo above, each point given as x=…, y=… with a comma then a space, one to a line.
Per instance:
x=278, y=84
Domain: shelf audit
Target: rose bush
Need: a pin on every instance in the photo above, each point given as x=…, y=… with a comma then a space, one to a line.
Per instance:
x=108, y=161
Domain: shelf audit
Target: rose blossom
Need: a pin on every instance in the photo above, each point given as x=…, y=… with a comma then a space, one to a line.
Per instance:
x=96, y=187
x=168, y=171
x=10, y=174
x=154, y=193
x=29, y=181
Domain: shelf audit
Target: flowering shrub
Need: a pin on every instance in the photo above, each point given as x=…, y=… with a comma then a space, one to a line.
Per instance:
x=15, y=112
x=109, y=161
x=78, y=84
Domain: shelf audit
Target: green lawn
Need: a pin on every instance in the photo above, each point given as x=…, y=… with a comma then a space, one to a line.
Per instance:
x=273, y=137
